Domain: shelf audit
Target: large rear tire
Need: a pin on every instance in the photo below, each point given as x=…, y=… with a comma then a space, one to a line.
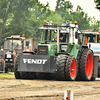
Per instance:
x=86, y=65
x=71, y=68
x=78, y=64
x=60, y=66
x=16, y=72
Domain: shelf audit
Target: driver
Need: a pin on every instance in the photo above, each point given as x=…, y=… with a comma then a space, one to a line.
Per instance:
x=60, y=37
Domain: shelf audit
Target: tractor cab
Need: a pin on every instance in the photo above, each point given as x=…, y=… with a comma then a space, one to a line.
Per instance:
x=13, y=46
x=93, y=41
x=13, y=43
x=92, y=37
x=58, y=37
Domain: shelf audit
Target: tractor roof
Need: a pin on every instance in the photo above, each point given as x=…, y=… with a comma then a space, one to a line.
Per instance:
x=16, y=37
x=92, y=33
x=53, y=25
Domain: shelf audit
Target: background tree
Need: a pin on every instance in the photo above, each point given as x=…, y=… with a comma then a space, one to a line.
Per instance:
x=97, y=4
x=63, y=8
x=14, y=10
x=81, y=17
x=26, y=17
x=5, y=10
x=19, y=17
x=94, y=23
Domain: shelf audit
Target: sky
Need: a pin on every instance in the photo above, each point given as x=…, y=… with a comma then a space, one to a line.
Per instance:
x=87, y=5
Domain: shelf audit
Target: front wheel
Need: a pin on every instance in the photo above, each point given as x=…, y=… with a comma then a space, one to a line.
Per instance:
x=6, y=69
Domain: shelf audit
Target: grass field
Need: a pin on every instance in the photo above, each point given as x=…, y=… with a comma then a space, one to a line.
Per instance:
x=10, y=74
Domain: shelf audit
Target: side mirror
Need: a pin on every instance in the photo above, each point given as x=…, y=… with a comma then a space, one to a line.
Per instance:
x=90, y=46
x=55, y=31
x=37, y=32
x=27, y=43
x=76, y=35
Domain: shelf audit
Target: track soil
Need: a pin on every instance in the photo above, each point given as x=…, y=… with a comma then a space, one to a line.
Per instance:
x=14, y=89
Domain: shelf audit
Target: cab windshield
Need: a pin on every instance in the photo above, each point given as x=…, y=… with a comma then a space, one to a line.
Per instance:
x=51, y=36
x=13, y=44
x=93, y=38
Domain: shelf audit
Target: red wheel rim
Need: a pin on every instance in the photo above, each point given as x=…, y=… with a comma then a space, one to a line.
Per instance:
x=89, y=65
x=73, y=69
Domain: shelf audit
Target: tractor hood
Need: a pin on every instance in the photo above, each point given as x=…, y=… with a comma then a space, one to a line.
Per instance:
x=50, y=48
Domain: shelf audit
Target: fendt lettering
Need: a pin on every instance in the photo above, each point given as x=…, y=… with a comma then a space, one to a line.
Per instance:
x=35, y=61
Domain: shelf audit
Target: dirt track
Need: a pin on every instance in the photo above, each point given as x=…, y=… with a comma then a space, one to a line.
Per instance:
x=12, y=89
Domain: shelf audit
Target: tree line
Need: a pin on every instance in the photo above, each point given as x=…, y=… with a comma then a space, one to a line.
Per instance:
x=19, y=17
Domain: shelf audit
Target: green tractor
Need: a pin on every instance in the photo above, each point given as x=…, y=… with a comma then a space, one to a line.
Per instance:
x=59, y=55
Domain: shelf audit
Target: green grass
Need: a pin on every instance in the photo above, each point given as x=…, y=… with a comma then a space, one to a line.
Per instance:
x=10, y=74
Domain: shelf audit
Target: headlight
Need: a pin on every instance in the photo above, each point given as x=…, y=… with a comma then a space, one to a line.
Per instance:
x=11, y=60
x=6, y=59
x=64, y=47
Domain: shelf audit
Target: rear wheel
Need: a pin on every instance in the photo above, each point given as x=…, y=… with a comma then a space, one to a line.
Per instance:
x=16, y=72
x=71, y=68
x=78, y=64
x=86, y=65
